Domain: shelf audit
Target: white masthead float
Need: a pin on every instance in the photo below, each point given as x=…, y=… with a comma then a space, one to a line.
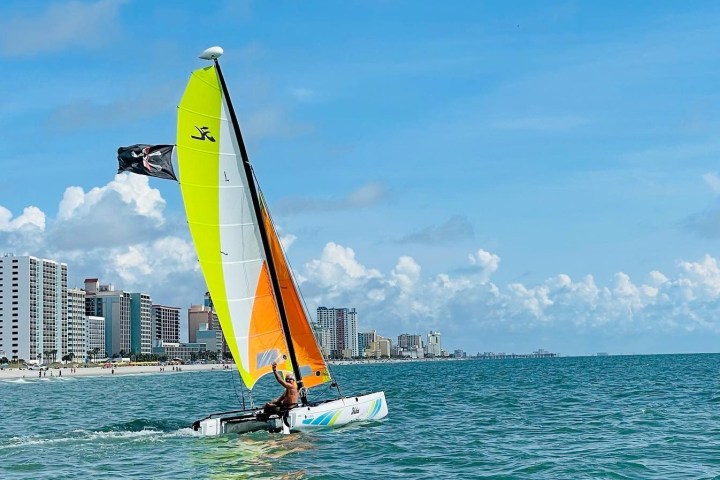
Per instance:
x=257, y=301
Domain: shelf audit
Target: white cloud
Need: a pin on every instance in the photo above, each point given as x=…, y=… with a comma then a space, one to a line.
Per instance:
x=406, y=274
x=467, y=304
x=155, y=263
x=487, y=261
x=32, y=218
x=118, y=232
x=133, y=190
x=703, y=277
x=338, y=269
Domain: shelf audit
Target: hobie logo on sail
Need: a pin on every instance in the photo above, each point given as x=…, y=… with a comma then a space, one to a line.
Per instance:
x=204, y=134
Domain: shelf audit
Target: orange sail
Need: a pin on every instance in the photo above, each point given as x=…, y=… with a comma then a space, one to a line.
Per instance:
x=312, y=365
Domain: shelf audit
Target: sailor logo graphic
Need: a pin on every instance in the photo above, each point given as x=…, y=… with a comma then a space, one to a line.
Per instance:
x=204, y=134
x=145, y=155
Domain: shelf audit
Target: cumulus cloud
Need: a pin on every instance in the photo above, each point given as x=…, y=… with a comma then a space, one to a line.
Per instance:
x=124, y=211
x=32, y=218
x=466, y=303
x=337, y=269
x=159, y=261
x=133, y=190
x=117, y=232
x=120, y=234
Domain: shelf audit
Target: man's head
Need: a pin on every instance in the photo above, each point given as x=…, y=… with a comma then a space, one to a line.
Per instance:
x=289, y=377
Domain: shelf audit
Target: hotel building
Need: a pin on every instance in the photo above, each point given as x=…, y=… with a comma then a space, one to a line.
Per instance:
x=342, y=325
x=33, y=308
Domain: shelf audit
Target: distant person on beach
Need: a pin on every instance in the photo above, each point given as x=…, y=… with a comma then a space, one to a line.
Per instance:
x=288, y=398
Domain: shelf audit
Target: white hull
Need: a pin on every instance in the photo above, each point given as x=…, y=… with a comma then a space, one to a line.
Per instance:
x=332, y=413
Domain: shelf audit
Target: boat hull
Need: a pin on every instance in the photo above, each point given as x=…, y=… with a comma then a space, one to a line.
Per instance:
x=332, y=413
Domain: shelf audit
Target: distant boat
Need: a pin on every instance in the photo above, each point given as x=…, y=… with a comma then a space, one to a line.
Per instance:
x=254, y=293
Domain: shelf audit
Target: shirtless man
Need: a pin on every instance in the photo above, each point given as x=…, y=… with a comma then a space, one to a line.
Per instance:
x=288, y=398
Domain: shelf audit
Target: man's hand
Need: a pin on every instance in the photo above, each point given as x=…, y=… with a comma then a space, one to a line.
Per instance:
x=274, y=365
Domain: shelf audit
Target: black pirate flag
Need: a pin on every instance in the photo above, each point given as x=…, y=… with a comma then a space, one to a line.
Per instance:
x=151, y=160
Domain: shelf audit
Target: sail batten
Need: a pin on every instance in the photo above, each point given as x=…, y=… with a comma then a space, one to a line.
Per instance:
x=247, y=278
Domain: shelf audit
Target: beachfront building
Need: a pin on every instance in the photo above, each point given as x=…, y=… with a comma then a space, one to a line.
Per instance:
x=177, y=351
x=342, y=325
x=381, y=347
x=322, y=337
x=95, y=330
x=408, y=341
x=212, y=339
x=33, y=314
x=165, y=323
x=76, y=325
x=365, y=339
x=127, y=317
x=433, y=347
x=198, y=315
x=215, y=322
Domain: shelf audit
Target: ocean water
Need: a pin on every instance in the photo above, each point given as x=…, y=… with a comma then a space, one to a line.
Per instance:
x=616, y=417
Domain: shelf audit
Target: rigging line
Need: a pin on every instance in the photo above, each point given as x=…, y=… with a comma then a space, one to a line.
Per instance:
x=333, y=382
x=240, y=397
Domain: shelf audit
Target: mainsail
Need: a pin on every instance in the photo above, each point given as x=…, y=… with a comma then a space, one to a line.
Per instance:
x=240, y=254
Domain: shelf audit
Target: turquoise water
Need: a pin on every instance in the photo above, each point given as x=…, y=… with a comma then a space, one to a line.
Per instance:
x=639, y=417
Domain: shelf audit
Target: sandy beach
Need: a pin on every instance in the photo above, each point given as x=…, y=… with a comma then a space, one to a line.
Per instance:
x=81, y=371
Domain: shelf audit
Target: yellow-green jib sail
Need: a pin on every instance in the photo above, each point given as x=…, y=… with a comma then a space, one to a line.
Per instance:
x=228, y=241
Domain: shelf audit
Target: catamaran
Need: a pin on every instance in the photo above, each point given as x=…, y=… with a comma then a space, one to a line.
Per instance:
x=256, y=298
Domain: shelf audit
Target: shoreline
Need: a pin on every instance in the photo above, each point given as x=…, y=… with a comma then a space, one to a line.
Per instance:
x=100, y=371
x=367, y=361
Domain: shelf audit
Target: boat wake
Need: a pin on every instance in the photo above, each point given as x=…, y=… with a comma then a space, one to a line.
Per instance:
x=132, y=431
x=142, y=424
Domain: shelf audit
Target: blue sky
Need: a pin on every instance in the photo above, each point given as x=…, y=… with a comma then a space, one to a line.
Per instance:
x=516, y=176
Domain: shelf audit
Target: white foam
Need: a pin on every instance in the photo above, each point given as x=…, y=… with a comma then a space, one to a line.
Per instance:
x=95, y=436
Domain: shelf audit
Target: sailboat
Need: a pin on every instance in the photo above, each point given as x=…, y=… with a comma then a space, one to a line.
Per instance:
x=256, y=298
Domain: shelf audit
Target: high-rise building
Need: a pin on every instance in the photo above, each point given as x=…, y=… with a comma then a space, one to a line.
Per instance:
x=380, y=347
x=434, y=344
x=216, y=325
x=140, y=323
x=127, y=317
x=323, y=338
x=342, y=324
x=365, y=339
x=407, y=341
x=166, y=323
x=95, y=328
x=76, y=325
x=33, y=308
x=198, y=315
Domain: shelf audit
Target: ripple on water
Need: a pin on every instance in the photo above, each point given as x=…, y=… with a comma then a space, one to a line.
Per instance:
x=569, y=418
